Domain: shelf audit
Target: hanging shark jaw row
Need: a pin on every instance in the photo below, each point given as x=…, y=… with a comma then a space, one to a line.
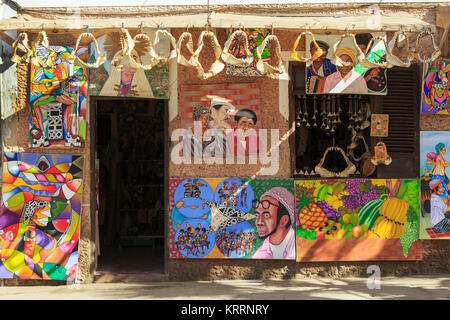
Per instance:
x=101, y=57
x=324, y=168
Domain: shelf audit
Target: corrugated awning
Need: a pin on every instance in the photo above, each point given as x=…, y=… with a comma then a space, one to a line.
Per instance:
x=361, y=22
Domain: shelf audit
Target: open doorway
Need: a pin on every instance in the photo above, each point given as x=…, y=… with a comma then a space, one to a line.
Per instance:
x=130, y=185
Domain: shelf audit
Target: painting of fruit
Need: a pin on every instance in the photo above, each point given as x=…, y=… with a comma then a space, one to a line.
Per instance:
x=356, y=208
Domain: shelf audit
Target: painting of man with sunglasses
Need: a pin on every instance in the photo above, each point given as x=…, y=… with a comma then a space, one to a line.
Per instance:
x=274, y=220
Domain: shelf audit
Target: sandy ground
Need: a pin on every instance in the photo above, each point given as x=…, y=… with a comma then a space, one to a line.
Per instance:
x=411, y=288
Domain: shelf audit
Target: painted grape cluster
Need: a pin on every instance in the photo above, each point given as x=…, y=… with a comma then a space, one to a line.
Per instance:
x=330, y=212
x=361, y=192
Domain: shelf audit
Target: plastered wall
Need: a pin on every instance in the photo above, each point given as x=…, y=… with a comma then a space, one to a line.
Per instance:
x=15, y=136
x=436, y=255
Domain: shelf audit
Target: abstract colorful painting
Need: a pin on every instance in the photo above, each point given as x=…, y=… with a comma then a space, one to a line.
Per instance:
x=357, y=219
x=58, y=100
x=255, y=39
x=323, y=76
x=434, y=185
x=226, y=107
x=40, y=216
x=435, y=88
x=220, y=218
x=107, y=80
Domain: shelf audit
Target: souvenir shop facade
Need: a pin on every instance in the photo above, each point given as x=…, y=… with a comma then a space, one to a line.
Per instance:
x=319, y=139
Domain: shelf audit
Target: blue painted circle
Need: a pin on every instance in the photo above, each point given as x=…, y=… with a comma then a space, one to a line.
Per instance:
x=236, y=241
x=235, y=193
x=194, y=246
x=189, y=199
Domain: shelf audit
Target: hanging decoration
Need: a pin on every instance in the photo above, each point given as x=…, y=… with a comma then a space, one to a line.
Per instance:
x=263, y=66
x=383, y=63
x=334, y=164
x=416, y=54
x=229, y=58
x=101, y=57
x=380, y=155
x=143, y=41
x=242, y=49
x=217, y=65
x=394, y=59
x=337, y=58
x=157, y=42
x=21, y=43
x=181, y=59
x=126, y=47
x=317, y=50
x=42, y=54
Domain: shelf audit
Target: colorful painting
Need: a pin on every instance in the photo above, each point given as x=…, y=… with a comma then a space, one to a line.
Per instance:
x=255, y=39
x=108, y=80
x=379, y=126
x=40, y=216
x=223, y=108
x=231, y=218
x=435, y=89
x=58, y=100
x=434, y=185
x=323, y=76
x=357, y=219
